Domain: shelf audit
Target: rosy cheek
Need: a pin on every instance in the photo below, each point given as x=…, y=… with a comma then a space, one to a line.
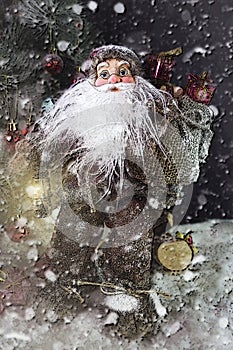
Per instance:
x=100, y=81
x=128, y=80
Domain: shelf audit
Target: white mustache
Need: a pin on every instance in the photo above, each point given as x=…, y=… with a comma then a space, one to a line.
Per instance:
x=114, y=87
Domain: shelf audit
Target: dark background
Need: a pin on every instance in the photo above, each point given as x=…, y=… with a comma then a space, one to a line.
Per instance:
x=204, y=30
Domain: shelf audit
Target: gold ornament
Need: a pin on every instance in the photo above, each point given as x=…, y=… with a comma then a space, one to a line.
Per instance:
x=175, y=255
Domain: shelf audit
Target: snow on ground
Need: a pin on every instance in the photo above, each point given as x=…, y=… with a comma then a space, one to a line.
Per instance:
x=197, y=316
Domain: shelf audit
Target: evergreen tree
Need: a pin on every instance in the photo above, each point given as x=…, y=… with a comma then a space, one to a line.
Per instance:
x=30, y=32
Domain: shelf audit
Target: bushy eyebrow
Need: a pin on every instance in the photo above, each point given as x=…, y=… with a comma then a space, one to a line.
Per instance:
x=102, y=64
x=121, y=63
x=106, y=64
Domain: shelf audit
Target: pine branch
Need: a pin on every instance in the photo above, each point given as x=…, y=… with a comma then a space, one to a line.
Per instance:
x=31, y=32
x=16, y=57
x=36, y=15
x=53, y=19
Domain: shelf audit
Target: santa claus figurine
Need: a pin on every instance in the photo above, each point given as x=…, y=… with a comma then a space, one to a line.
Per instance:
x=117, y=153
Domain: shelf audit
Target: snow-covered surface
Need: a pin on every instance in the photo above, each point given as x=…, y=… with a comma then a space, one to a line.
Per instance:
x=197, y=315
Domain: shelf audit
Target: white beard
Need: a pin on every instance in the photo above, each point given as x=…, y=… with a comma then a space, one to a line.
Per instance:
x=102, y=128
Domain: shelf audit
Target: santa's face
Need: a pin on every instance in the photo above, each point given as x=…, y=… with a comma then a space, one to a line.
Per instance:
x=113, y=71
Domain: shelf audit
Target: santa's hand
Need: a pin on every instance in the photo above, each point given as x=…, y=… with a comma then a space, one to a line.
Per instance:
x=178, y=91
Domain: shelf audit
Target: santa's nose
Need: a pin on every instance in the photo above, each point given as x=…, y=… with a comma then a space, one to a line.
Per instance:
x=113, y=79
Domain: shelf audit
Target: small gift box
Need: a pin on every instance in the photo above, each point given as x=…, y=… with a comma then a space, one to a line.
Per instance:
x=163, y=69
x=159, y=68
x=199, y=88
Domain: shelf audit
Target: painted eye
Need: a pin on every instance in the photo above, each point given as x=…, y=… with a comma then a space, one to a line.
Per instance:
x=104, y=74
x=123, y=72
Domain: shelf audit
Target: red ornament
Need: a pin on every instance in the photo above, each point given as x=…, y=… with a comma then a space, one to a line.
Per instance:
x=25, y=131
x=17, y=232
x=53, y=64
x=11, y=138
x=200, y=89
x=13, y=135
x=79, y=24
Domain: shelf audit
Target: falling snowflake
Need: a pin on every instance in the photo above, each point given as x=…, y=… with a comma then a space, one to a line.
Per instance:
x=119, y=7
x=92, y=5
